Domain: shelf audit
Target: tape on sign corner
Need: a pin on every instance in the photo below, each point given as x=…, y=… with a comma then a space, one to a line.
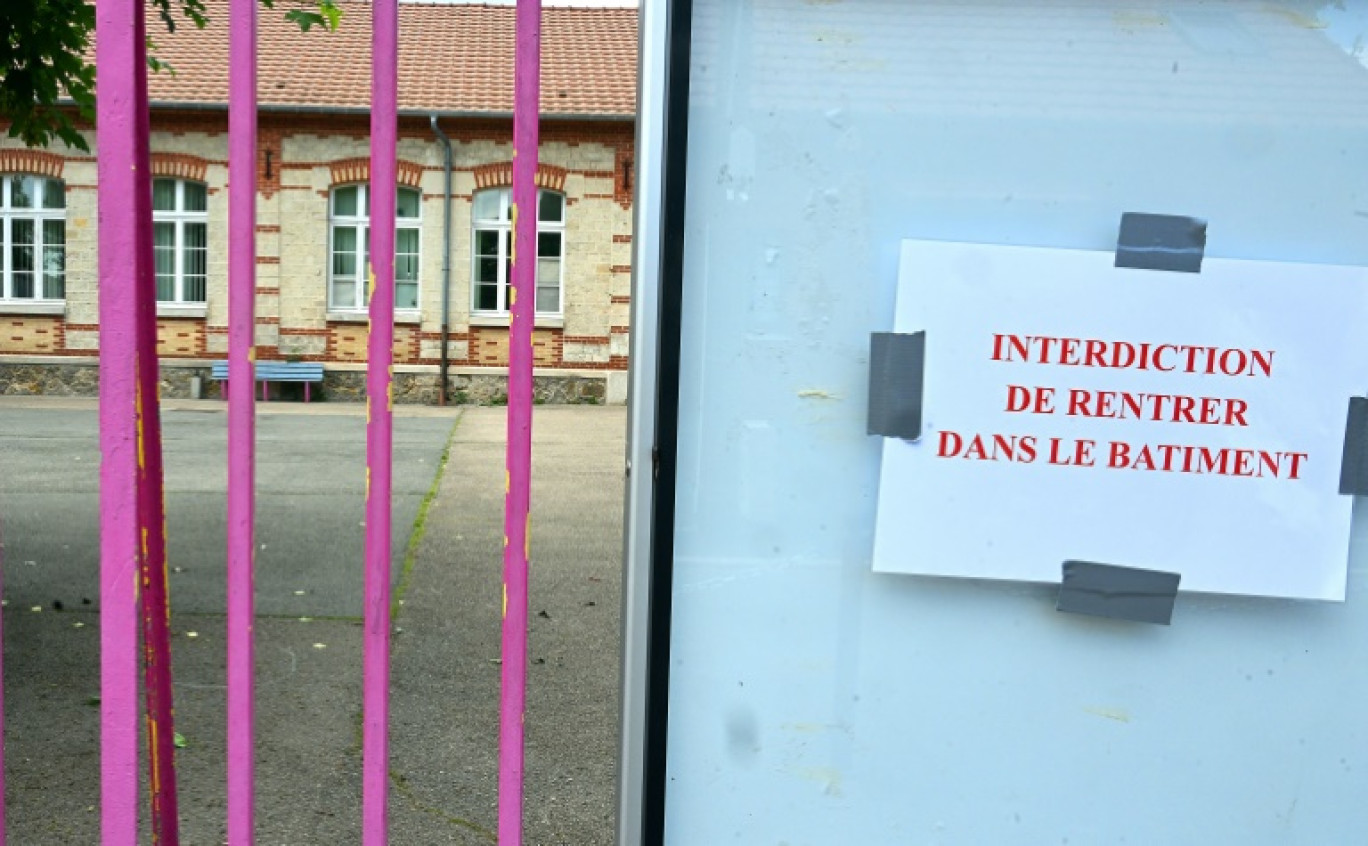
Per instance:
x=1121, y=593
x=1161, y=242
x=896, y=365
x=1354, y=463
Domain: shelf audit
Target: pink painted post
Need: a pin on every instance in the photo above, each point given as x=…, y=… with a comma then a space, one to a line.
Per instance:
x=513, y=695
x=2, y=700
x=123, y=227
x=156, y=608
x=384, y=185
x=242, y=143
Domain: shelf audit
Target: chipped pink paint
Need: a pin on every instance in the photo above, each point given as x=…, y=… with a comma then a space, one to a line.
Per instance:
x=242, y=143
x=123, y=227
x=513, y=692
x=379, y=421
x=156, y=608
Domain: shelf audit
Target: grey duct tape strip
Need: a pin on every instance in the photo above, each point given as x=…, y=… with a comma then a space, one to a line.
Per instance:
x=1122, y=593
x=1161, y=242
x=896, y=363
x=1354, y=463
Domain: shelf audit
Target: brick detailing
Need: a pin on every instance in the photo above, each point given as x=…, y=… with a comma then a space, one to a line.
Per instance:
x=622, y=239
x=488, y=347
x=348, y=342
x=268, y=259
x=181, y=338
x=269, y=228
x=620, y=299
x=624, y=176
x=586, y=339
x=358, y=170
x=180, y=166
x=500, y=175
x=620, y=330
x=269, y=142
x=31, y=161
x=31, y=334
x=621, y=268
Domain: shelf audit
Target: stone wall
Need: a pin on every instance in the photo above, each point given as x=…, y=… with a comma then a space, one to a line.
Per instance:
x=34, y=378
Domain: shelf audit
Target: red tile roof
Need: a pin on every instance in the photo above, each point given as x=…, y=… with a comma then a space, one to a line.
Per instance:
x=452, y=58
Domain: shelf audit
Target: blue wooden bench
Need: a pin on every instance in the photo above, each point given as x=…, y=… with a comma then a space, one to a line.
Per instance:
x=306, y=372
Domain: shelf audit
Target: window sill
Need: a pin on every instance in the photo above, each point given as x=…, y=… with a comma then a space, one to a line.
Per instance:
x=30, y=307
x=541, y=321
x=400, y=316
x=197, y=310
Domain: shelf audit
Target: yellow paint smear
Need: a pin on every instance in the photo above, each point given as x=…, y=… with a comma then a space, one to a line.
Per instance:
x=1118, y=714
x=505, y=596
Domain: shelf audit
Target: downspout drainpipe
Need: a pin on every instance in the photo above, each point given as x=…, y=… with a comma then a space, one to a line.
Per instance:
x=446, y=260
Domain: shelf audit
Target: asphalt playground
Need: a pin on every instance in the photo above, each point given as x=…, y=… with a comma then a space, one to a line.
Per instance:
x=446, y=568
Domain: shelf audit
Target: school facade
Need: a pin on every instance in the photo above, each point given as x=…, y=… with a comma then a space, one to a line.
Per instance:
x=313, y=190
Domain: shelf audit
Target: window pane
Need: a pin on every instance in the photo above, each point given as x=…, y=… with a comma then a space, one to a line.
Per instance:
x=54, y=259
x=344, y=250
x=54, y=286
x=548, y=299
x=548, y=271
x=196, y=197
x=54, y=194
x=486, y=297
x=487, y=270
x=406, y=240
x=164, y=235
x=163, y=195
x=406, y=268
x=195, y=262
x=406, y=295
x=21, y=257
x=550, y=207
x=548, y=245
x=487, y=242
x=344, y=201
x=488, y=205
x=409, y=203
x=21, y=192
x=344, y=293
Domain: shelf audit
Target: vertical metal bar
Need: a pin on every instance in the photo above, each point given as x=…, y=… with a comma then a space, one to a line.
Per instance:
x=522, y=304
x=379, y=422
x=242, y=144
x=123, y=225
x=2, y=698
x=156, y=608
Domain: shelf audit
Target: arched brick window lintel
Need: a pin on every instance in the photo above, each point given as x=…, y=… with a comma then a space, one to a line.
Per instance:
x=345, y=171
x=500, y=175
x=36, y=162
x=180, y=166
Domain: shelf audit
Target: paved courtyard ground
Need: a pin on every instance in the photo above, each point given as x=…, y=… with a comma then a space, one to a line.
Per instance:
x=309, y=577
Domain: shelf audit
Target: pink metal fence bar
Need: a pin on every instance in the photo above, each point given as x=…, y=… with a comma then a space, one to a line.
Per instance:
x=123, y=228
x=513, y=693
x=156, y=609
x=242, y=142
x=2, y=697
x=379, y=420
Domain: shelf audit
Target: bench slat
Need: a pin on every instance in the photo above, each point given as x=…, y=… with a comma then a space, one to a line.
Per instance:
x=276, y=371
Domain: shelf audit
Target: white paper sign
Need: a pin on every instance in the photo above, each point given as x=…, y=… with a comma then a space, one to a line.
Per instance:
x=1185, y=422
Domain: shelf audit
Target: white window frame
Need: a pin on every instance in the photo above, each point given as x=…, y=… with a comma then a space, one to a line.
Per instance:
x=180, y=217
x=361, y=222
x=39, y=216
x=503, y=226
